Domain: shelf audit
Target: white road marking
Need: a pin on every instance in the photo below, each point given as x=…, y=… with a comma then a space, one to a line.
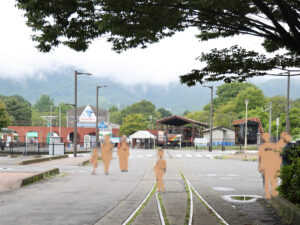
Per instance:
x=178, y=155
x=188, y=155
x=149, y=155
x=210, y=175
x=223, y=189
x=198, y=155
x=209, y=156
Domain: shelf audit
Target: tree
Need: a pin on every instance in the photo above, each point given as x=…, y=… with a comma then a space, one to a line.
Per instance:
x=133, y=123
x=201, y=116
x=133, y=23
x=18, y=109
x=186, y=112
x=113, y=109
x=43, y=103
x=4, y=117
x=254, y=95
x=164, y=112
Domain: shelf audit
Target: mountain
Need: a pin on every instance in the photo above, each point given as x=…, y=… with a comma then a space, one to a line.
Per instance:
x=175, y=96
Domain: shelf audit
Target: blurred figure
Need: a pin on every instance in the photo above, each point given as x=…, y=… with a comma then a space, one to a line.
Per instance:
x=106, y=152
x=160, y=169
x=94, y=160
x=270, y=161
x=123, y=153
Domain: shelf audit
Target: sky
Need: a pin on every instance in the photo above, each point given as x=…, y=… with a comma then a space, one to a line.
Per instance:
x=160, y=63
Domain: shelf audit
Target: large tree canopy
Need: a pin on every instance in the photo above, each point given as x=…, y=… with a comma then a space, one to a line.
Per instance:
x=137, y=23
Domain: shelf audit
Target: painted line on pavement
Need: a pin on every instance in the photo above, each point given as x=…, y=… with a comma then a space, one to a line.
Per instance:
x=162, y=220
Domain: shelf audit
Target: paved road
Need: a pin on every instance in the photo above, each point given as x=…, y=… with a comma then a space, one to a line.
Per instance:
x=80, y=198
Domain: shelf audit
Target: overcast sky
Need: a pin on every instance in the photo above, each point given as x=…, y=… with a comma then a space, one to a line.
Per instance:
x=160, y=63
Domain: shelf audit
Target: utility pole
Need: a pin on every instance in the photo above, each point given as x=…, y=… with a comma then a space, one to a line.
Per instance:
x=288, y=104
x=270, y=120
x=246, y=127
x=75, y=108
x=211, y=115
x=97, y=115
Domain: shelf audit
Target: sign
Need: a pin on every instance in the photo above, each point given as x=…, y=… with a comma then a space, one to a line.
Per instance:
x=87, y=116
x=200, y=142
x=277, y=121
x=104, y=129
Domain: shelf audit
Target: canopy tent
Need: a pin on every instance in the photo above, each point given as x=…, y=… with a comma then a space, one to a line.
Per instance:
x=142, y=139
x=142, y=134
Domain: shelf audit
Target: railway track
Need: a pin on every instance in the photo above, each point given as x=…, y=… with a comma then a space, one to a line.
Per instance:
x=209, y=216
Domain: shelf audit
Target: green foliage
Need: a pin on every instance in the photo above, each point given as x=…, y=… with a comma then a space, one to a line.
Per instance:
x=4, y=118
x=186, y=112
x=113, y=109
x=133, y=123
x=18, y=109
x=134, y=23
x=44, y=103
x=290, y=180
x=201, y=116
x=254, y=95
x=164, y=112
x=115, y=117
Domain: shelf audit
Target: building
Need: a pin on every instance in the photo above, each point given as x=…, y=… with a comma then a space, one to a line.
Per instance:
x=86, y=116
x=220, y=136
x=254, y=130
x=176, y=130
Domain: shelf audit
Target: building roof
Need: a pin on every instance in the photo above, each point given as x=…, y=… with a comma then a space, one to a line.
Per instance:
x=252, y=119
x=218, y=128
x=142, y=134
x=179, y=121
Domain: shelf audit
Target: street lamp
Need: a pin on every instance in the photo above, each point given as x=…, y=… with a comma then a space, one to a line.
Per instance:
x=246, y=127
x=75, y=108
x=211, y=115
x=97, y=125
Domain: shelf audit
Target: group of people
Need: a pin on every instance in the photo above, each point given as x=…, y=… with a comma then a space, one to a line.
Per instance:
x=123, y=154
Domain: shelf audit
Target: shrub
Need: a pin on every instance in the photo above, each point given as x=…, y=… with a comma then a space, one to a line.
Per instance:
x=290, y=179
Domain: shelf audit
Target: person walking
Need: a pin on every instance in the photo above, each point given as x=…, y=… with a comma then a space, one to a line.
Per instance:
x=123, y=153
x=160, y=169
x=106, y=153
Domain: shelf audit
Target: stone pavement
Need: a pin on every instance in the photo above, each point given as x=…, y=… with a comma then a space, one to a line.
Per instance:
x=175, y=197
x=12, y=174
x=257, y=213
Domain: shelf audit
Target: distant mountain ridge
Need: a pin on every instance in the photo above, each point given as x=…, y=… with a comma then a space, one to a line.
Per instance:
x=175, y=96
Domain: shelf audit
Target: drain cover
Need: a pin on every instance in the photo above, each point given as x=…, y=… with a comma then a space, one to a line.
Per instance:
x=241, y=198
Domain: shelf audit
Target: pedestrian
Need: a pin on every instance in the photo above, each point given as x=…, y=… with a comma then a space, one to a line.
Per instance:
x=160, y=169
x=270, y=162
x=123, y=153
x=106, y=152
x=94, y=160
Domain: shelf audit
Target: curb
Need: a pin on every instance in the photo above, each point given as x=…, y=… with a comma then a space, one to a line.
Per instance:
x=84, y=163
x=289, y=211
x=30, y=161
x=39, y=176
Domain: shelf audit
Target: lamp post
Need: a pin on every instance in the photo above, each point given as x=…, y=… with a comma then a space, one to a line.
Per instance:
x=97, y=112
x=75, y=108
x=211, y=115
x=246, y=127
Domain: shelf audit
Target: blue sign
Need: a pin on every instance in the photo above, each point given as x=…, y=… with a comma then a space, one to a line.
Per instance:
x=102, y=125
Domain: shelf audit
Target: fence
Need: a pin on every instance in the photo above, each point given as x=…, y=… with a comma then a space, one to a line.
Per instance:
x=43, y=148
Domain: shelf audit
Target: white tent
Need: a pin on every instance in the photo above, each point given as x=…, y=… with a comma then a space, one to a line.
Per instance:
x=144, y=138
x=142, y=134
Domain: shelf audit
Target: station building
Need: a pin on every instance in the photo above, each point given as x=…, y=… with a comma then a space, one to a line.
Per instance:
x=86, y=128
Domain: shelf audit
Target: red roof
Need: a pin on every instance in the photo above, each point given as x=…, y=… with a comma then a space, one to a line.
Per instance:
x=255, y=119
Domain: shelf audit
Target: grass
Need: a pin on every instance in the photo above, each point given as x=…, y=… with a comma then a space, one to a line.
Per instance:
x=220, y=157
x=188, y=206
x=250, y=159
x=144, y=204
x=163, y=210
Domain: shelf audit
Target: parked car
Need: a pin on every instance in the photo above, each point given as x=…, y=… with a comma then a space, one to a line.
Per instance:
x=291, y=149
